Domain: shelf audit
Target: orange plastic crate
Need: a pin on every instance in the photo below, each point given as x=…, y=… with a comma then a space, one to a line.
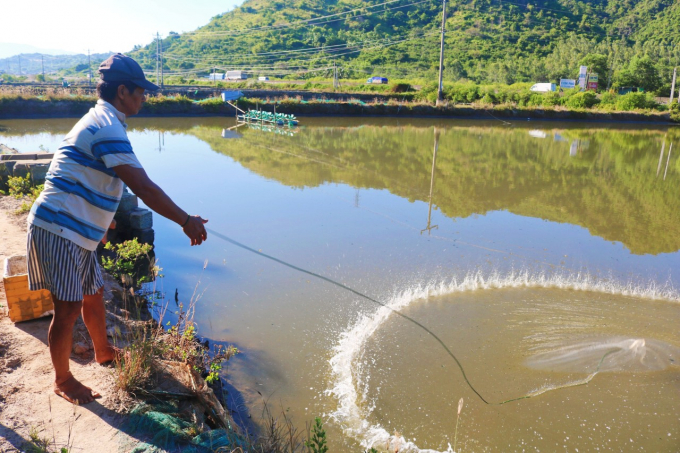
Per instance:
x=23, y=304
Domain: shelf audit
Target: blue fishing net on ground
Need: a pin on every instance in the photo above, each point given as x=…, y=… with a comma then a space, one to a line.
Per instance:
x=164, y=431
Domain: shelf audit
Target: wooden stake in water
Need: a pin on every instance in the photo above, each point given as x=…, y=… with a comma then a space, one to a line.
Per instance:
x=455, y=437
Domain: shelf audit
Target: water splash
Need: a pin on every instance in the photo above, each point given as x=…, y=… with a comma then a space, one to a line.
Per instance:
x=344, y=363
x=625, y=354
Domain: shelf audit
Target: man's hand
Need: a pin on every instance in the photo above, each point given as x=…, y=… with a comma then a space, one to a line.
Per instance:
x=195, y=230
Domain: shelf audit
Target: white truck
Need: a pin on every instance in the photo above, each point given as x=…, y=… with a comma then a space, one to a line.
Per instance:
x=543, y=87
x=236, y=75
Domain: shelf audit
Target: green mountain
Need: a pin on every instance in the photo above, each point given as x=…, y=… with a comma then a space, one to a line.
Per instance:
x=487, y=41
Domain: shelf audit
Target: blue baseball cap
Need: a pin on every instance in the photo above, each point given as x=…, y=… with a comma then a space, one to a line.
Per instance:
x=121, y=68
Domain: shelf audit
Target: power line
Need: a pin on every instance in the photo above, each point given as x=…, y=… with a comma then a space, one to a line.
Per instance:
x=305, y=21
x=290, y=71
x=319, y=49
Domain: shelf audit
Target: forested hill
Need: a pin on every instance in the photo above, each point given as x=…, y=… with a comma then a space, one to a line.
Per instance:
x=486, y=40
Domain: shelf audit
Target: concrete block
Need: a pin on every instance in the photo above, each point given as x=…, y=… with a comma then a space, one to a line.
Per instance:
x=128, y=202
x=38, y=172
x=122, y=225
x=24, y=156
x=6, y=169
x=21, y=168
x=140, y=219
x=146, y=236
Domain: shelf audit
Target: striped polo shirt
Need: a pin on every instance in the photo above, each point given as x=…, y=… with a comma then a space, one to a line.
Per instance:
x=82, y=191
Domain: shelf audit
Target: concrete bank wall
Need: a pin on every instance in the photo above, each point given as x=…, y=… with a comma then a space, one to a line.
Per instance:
x=318, y=106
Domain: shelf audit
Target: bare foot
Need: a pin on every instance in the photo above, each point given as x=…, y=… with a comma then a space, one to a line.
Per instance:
x=108, y=355
x=75, y=392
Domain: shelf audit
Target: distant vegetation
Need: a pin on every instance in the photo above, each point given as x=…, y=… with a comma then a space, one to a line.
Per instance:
x=627, y=42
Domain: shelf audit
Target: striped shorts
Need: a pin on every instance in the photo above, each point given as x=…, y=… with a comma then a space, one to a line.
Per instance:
x=60, y=266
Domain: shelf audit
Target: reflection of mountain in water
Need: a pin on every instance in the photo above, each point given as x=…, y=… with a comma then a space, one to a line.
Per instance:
x=604, y=179
x=609, y=186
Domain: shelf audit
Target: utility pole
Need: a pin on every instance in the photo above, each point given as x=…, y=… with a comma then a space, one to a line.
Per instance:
x=89, y=69
x=611, y=68
x=158, y=79
x=675, y=70
x=335, y=76
x=214, y=76
x=440, y=94
x=42, y=63
x=160, y=45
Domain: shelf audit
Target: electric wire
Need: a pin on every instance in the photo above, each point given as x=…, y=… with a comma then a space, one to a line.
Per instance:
x=306, y=21
x=328, y=52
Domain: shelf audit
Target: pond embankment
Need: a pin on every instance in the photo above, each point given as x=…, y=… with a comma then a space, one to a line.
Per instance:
x=325, y=104
x=174, y=411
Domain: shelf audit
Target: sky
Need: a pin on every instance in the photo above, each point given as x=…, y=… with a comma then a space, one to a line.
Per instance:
x=114, y=26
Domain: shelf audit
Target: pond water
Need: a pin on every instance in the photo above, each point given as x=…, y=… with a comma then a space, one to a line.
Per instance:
x=527, y=268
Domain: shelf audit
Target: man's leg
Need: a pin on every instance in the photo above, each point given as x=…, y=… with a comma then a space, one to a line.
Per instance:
x=60, y=339
x=94, y=315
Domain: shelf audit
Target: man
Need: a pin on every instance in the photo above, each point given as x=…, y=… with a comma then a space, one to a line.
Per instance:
x=82, y=191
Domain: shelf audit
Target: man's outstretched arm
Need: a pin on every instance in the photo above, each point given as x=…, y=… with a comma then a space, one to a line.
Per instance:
x=154, y=197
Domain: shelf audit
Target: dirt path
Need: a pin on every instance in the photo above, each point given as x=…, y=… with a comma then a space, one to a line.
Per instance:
x=27, y=402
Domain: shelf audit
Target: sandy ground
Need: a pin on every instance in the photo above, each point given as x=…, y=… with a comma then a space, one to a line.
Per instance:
x=27, y=402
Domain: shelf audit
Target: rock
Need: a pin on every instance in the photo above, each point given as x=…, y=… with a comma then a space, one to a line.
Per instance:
x=4, y=149
x=81, y=348
x=13, y=363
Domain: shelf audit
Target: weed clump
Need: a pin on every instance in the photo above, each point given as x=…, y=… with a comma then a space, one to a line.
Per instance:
x=23, y=188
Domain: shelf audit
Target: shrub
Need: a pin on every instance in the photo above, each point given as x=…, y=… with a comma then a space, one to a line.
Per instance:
x=462, y=93
x=128, y=255
x=675, y=112
x=429, y=92
x=608, y=99
x=23, y=188
x=317, y=442
x=552, y=99
x=535, y=100
x=582, y=100
x=401, y=88
x=487, y=99
x=632, y=101
x=18, y=186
